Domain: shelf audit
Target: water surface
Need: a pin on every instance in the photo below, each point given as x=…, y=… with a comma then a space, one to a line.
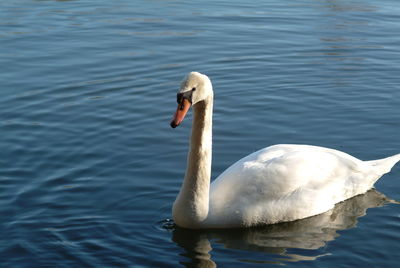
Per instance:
x=89, y=167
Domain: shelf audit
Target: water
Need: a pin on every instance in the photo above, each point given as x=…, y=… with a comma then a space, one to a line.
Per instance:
x=89, y=167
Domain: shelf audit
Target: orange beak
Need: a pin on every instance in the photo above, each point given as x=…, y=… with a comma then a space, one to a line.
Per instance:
x=180, y=113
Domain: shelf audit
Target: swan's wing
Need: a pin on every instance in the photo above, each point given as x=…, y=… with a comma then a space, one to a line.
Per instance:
x=287, y=182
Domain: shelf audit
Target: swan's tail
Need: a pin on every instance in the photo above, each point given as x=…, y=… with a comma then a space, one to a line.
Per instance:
x=383, y=166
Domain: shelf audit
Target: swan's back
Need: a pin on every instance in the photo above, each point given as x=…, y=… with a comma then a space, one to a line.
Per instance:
x=285, y=183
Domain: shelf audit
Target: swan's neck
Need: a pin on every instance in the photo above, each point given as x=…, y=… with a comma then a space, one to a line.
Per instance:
x=191, y=205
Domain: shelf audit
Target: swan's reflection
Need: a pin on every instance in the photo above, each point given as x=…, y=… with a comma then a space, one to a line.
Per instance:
x=274, y=241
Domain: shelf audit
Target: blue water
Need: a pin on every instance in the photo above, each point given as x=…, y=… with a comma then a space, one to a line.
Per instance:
x=89, y=167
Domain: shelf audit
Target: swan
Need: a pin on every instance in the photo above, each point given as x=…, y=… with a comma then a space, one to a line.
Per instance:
x=279, y=183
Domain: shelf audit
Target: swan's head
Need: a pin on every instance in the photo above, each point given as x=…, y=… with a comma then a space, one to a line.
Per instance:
x=195, y=87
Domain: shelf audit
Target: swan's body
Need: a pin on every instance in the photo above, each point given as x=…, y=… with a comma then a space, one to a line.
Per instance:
x=275, y=184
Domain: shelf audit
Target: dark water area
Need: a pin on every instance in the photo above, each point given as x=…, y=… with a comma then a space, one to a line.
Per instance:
x=89, y=166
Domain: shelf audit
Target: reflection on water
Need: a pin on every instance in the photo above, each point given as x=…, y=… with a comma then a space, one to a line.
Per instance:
x=278, y=241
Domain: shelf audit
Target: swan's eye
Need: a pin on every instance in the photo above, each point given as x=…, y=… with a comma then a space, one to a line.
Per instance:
x=194, y=89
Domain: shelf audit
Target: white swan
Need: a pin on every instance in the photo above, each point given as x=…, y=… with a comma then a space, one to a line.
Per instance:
x=275, y=184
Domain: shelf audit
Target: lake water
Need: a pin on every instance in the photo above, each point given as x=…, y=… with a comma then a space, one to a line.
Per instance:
x=89, y=166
